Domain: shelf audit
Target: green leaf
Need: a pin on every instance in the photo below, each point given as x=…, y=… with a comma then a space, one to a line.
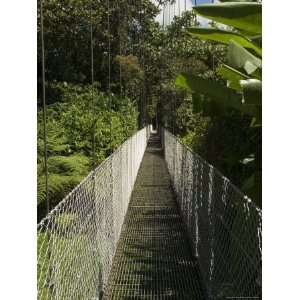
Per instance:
x=252, y=91
x=245, y=16
x=232, y=76
x=215, y=90
x=222, y=36
x=238, y=57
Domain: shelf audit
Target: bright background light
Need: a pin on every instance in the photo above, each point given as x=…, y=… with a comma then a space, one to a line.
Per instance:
x=179, y=7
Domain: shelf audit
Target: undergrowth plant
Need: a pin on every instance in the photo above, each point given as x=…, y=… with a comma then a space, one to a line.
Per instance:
x=72, y=120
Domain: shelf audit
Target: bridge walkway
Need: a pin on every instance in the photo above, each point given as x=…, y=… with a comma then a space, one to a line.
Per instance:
x=153, y=258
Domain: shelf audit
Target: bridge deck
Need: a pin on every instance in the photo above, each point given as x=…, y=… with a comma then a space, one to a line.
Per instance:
x=153, y=259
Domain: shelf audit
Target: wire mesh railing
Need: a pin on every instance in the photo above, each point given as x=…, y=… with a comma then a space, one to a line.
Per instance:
x=224, y=225
x=77, y=239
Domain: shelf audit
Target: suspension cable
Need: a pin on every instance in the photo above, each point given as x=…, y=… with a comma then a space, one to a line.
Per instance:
x=44, y=109
x=120, y=48
x=174, y=98
x=141, y=60
x=48, y=204
x=120, y=64
x=126, y=19
x=109, y=73
x=92, y=82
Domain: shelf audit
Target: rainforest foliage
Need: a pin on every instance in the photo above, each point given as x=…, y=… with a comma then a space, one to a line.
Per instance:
x=233, y=100
x=194, y=79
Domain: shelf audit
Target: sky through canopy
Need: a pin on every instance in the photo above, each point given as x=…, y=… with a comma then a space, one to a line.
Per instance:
x=178, y=7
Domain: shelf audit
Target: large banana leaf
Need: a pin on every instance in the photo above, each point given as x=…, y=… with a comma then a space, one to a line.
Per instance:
x=213, y=89
x=245, y=16
x=232, y=76
x=216, y=91
x=222, y=36
x=238, y=57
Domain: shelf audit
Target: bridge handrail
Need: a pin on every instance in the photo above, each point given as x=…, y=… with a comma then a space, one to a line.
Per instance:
x=223, y=224
x=77, y=239
x=238, y=190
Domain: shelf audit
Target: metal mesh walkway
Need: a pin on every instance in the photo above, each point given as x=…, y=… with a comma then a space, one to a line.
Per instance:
x=153, y=258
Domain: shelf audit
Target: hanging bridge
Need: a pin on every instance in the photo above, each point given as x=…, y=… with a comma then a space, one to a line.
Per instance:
x=153, y=221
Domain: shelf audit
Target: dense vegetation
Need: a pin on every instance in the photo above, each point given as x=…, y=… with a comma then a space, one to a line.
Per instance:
x=71, y=121
x=143, y=61
x=232, y=100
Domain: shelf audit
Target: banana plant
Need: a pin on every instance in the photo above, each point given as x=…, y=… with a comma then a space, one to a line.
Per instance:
x=242, y=33
x=243, y=71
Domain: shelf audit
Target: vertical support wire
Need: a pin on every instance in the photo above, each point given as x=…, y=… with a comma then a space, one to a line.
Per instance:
x=144, y=91
x=161, y=71
x=120, y=47
x=99, y=291
x=109, y=74
x=174, y=113
x=44, y=108
x=213, y=57
x=99, y=285
x=140, y=61
x=92, y=83
x=126, y=20
x=120, y=65
x=112, y=185
x=48, y=205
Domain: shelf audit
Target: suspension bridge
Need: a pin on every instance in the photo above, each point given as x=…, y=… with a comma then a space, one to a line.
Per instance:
x=152, y=221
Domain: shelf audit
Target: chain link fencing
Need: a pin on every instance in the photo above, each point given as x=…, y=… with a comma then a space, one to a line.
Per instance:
x=224, y=225
x=78, y=238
